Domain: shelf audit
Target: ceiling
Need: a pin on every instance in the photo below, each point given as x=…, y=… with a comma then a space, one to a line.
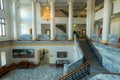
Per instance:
x=79, y=6
x=63, y=4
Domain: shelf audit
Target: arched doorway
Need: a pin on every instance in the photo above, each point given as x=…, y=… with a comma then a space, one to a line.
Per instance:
x=43, y=56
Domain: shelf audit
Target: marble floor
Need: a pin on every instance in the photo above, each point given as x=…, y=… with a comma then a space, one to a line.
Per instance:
x=44, y=72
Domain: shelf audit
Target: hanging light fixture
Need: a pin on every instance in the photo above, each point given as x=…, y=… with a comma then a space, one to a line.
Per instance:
x=46, y=12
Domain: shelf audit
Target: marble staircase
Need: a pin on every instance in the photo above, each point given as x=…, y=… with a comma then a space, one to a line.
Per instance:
x=96, y=67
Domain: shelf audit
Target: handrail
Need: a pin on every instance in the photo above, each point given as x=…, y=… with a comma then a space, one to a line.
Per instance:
x=75, y=70
x=95, y=51
x=111, y=73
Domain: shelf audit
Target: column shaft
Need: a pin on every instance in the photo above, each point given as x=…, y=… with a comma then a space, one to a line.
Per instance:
x=70, y=22
x=39, y=30
x=90, y=18
x=15, y=20
x=34, y=31
x=52, y=21
x=106, y=20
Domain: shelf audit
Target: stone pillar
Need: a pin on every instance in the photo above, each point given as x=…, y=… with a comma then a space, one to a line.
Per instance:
x=34, y=29
x=90, y=18
x=106, y=20
x=52, y=20
x=70, y=22
x=39, y=30
x=15, y=21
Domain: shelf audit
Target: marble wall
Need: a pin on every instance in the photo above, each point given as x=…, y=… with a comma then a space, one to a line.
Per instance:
x=25, y=37
x=42, y=37
x=111, y=57
x=112, y=38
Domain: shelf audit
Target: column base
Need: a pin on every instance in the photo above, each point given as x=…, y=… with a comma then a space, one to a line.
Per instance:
x=104, y=42
x=70, y=39
x=52, y=39
x=16, y=39
x=34, y=39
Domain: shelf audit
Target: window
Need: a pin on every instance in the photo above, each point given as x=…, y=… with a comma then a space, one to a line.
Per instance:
x=1, y=5
x=3, y=58
x=2, y=27
x=61, y=54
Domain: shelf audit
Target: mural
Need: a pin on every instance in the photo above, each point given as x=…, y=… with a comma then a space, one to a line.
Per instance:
x=23, y=53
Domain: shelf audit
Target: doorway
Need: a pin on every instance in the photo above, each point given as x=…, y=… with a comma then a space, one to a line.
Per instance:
x=43, y=56
x=83, y=33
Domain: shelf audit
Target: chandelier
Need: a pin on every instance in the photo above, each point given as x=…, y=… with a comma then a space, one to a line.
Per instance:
x=45, y=13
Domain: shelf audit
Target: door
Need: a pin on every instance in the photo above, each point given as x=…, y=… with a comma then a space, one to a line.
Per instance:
x=83, y=33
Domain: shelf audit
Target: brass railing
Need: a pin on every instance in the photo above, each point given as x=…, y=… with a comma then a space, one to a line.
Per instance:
x=78, y=73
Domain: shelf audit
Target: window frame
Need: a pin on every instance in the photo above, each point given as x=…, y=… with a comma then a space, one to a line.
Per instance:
x=2, y=27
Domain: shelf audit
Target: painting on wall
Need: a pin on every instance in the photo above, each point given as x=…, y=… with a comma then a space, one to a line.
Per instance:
x=23, y=53
x=61, y=54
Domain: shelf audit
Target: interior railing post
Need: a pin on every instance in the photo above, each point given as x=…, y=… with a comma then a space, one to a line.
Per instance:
x=89, y=69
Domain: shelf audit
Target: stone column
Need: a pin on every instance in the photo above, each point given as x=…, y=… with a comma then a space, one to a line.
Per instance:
x=39, y=30
x=106, y=20
x=90, y=18
x=34, y=29
x=70, y=22
x=52, y=20
x=15, y=21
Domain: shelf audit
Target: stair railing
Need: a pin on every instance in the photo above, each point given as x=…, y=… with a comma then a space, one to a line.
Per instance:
x=78, y=73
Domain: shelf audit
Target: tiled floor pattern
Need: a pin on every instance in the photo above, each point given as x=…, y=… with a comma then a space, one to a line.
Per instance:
x=43, y=72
